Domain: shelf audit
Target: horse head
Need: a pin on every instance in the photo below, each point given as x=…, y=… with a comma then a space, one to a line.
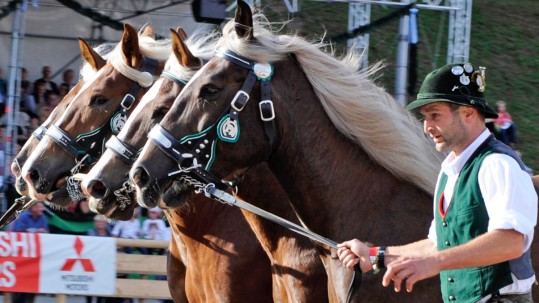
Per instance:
x=89, y=68
x=99, y=109
x=202, y=129
x=107, y=183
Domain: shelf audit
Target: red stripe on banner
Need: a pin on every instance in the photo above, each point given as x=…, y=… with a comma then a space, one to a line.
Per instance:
x=20, y=262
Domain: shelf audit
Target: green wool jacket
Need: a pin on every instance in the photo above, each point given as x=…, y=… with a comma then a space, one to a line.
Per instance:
x=465, y=219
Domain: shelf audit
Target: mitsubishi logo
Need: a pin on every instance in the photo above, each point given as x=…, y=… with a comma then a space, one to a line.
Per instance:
x=86, y=264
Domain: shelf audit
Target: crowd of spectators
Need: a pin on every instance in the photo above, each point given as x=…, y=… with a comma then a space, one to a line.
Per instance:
x=37, y=100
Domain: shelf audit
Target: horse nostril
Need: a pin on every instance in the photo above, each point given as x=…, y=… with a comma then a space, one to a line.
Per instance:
x=15, y=168
x=139, y=176
x=33, y=177
x=97, y=189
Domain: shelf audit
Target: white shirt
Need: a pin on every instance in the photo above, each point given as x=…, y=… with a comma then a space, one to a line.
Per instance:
x=508, y=192
x=127, y=229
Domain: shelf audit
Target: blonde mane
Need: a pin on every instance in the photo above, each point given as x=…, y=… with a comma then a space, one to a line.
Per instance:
x=358, y=108
x=156, y=49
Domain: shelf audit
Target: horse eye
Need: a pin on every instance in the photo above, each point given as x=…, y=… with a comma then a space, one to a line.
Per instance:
x=208, y=92
x=98, y=100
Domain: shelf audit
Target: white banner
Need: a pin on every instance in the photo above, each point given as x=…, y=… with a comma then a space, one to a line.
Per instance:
x=47, y=263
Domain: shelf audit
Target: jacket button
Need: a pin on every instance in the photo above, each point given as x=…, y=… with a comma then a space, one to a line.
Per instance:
x=452, y=298
x=450, y=280
x=447, y=243
x=444, y=224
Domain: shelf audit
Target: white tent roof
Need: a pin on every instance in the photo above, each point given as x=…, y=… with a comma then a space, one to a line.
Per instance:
x=52, y=30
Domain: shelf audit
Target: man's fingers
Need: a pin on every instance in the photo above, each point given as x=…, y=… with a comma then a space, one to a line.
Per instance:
x=351, y=263
x=403, y=274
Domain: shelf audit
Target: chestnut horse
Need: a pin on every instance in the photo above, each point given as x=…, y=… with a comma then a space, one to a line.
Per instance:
x=98, y=110
x=220, y=241
x=352, y=162
x=89, y=69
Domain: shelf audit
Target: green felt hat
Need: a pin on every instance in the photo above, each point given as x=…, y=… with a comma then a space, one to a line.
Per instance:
x=458, y=83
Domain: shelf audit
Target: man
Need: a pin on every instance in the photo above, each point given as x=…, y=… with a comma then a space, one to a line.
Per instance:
x=46, y=79
x=33, y=220
x=485, y=206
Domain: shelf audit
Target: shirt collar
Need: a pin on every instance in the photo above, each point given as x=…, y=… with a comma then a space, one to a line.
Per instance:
x=453, y=164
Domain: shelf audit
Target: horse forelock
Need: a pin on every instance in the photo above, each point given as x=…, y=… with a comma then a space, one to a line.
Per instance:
x=359, y=109
x=155, y=49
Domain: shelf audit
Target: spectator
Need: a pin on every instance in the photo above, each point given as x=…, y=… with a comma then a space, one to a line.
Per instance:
x=3, y=92
x=43, y=112
x=3, y=84
x=101, y=227
x=63, y=90
x=129, y=229
x=68, y=77
x=24, y=80
x=28, y=103
x=505, y=127
x=52, y=99
x=39, y=94
x=33, y=220
x=21, y=120
x=154, y=228
x=46, y=79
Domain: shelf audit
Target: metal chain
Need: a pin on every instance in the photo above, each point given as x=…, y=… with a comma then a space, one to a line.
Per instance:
x=122, y=195
x=196, y=184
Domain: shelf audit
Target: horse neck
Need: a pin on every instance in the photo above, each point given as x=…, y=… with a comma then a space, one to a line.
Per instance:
x=327, y=176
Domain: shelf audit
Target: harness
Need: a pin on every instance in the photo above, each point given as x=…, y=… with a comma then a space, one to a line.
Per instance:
x=86, y=148
x=129, y=154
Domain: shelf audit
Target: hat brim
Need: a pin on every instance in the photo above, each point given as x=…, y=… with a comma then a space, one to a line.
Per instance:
x=415, y=105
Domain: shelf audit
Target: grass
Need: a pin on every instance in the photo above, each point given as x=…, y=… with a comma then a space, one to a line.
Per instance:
x=504, y=39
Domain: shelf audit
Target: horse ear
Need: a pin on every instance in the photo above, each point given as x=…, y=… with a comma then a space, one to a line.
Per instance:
x=90, y=56
x=130, y=48
x=147, y=31
x=181, y=51
x=182, y=33
x=244, y=20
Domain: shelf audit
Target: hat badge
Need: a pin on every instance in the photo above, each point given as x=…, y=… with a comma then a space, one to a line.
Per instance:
x=479, y=78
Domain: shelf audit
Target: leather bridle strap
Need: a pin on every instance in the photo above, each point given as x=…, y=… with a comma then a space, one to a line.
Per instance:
x=126, y=152
x=39, y=133
x=65, y=141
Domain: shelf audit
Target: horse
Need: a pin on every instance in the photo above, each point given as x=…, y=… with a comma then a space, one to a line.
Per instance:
x=98, y=60
x=352, y=162
x=106, y=99
x=232, y=253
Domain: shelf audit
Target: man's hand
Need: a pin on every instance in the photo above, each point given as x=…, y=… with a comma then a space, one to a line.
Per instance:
x=353, y=252
x=410, y=271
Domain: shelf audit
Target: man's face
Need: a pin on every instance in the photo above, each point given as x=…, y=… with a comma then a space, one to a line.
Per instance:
x=46, y=71
x=444, y=126
x=37, y=209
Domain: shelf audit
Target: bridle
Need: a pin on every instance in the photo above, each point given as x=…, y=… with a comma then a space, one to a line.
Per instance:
x=86, y=148
x=129, y=154
x=194, y=154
